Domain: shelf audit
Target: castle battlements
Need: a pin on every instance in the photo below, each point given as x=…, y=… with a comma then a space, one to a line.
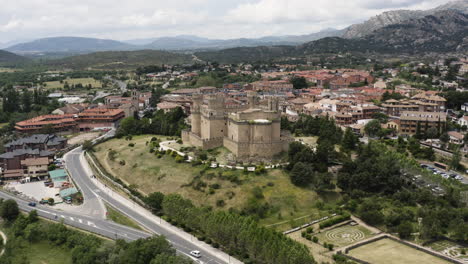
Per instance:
x=248, y=131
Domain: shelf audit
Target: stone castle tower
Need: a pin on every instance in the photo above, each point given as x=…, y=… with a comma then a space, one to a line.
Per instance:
x=248, y=131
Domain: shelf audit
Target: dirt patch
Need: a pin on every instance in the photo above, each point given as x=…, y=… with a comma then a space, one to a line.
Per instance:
x=80, y=138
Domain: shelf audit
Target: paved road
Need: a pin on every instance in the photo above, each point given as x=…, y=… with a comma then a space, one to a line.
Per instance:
x=98, y=226
x=95, y=192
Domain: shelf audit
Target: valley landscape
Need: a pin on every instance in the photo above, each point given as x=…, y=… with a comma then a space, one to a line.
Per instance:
x=256, y=132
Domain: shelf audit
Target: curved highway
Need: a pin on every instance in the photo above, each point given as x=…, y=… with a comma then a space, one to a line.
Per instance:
x=94, y=192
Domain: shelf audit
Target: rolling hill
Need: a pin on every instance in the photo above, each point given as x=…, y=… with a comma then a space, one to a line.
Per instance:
x=9, y=59
x=120, y=59
x=69, y=44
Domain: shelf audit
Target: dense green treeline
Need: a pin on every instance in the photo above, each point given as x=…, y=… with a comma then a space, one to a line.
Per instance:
x=160, y=123
x=238, y=235
x=25, y=230
x=380, y=189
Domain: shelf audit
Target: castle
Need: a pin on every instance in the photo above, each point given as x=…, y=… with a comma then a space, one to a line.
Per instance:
x=248, y=131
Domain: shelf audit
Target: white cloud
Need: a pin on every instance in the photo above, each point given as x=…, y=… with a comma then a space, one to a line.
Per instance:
x=127, y=19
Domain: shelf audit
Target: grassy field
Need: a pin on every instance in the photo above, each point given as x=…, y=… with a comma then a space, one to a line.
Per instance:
x=83, y=81
x=120, y=218
x=8, y=70
x=233, y=187
x=321, y=254
x=344, y=235
x=44, y=253
x=387, y=251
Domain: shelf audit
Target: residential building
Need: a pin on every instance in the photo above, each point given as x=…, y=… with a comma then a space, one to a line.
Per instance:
x=413, y=121
x=36, y=167
x=70, y=123
x=456, y=137
x=463, y=121
x=38, y=141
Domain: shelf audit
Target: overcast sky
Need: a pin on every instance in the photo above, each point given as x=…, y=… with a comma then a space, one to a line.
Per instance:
x=132, y=19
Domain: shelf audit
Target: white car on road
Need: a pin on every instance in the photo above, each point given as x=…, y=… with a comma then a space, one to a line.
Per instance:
x=195, y=253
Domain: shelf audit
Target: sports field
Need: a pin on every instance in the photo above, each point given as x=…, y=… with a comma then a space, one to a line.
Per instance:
x=387, y=251
x=344, y=235
x=83, y=81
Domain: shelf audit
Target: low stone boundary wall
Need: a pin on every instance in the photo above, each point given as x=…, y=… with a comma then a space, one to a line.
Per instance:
x=308, y=224
x=417, y=247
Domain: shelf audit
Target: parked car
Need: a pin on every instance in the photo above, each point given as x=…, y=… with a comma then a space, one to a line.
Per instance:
x=195, y=253
x=33, y=204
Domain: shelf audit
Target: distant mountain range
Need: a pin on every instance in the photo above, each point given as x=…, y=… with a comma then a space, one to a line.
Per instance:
x=75, y=45
x=67, y=46
x=444, y=31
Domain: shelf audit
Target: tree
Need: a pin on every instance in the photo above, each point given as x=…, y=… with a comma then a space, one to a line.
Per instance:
x=301, y=174
x=51, y=201
x=33, y=216
x=444, y=138
x=298, y=82
x=26, y=101
x=383, y=118
x=350, y=140
x=154, y=200
x=455, y=161
x=405, y=229
x=432, y=132
x=373, y=128
x=9, y=210
x=88, y=145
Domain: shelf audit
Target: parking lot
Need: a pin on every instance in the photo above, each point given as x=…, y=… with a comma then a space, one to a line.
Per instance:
x=35, y=190
x=447, y=174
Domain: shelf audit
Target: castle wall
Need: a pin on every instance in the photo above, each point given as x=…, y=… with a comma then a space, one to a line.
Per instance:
x=252, y=133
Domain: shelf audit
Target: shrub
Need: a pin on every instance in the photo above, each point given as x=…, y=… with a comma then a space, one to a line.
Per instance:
x=308, y=237
x=310, y=230
x=257, y=193
x=220, y=203
x=154, y=139
x=211, y=191
x=203, y=156
x=179, y=159
x=303, y=233
x=159, y=156
x=131, y=145
x=315, y=239
x=122, y=162
x=270, y=184
x=112, y=154
x=215, y=245
x=151, y=150
x=335, y=220
x=208, y=241
x=201, y=238
x=325, y=245
x=330, y=247
x=51, y=167
x=179, y=141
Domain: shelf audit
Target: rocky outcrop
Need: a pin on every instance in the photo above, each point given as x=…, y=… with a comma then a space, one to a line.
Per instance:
x=397, y=17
